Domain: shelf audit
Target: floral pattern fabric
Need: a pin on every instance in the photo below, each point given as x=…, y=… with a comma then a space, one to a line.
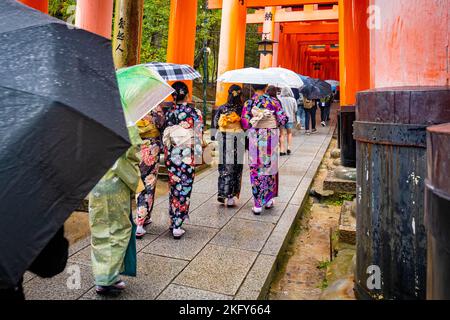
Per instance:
x=181, y=160
x=263, y=149
x=149, y=166
x=231, y=153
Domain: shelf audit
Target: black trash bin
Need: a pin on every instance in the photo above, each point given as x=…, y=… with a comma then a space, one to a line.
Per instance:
x=339, y=128
x=437, y=212
x=391, y=240
x=347, y=141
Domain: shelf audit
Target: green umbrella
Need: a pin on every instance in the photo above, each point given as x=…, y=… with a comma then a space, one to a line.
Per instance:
x=141, y=90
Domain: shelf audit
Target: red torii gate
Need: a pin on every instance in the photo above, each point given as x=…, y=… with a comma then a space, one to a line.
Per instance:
x=381, y=42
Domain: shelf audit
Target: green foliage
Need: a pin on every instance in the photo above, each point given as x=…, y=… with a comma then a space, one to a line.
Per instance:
x=324, y=264
x=324, y=284
x=251, y=46
x=61, y=9
x=208, y=31
x=155, y=30
x=338, y=199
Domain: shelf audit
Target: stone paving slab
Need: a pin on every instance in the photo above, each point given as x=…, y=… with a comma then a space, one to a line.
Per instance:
x=272, y=215
x=226, y=253
x=256, y=279
x=218, y=269
x=186, y=248
x=57, y=288
x=212, y=214
x=155, y=274
x=28, y=276
x=278, y=237
x=84, y=256
x=244, y=234
x=177, y=292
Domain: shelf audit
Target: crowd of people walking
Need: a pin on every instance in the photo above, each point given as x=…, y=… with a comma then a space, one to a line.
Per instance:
x=255, y=123
x=258, y=119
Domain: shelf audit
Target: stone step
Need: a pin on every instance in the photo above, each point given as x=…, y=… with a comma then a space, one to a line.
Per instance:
x=341, y=180
x=347, y=223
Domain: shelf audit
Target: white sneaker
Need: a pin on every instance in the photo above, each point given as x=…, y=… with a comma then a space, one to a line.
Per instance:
x=231, y=202
x=270, y=204
x=323, y=123
x=178, y=233
x=140, y=232
x=256, y=211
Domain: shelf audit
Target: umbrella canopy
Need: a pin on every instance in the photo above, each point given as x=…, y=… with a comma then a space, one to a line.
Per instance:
x=174, y=72
x=141, y=90
x=316, y=89
x=306, y=80
x=261, y=76
x=62, y=127
x=246, y=75
x=289, y=78
x=333, y=83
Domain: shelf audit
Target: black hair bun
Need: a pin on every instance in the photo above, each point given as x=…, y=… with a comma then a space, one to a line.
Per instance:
x=181, y=91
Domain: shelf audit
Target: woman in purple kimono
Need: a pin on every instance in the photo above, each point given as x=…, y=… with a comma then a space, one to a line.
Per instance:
x=261, y=117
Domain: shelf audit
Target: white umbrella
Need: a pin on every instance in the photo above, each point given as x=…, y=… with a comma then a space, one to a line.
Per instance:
x=271, y=76
x=333, y=83
x=288, y=78
x=246, y=75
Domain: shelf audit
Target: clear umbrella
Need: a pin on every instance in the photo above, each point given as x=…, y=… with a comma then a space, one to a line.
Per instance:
x=289, y=78
x=141, y=90
x=259, y=76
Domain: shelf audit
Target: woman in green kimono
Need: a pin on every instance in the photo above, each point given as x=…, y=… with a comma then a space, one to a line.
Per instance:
x=110, y=219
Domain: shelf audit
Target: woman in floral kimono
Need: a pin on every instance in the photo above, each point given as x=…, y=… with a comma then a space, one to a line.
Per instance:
x=231, y=138
x=183, y=149
x=150, y=129
x=262, y=116
x=111, y=221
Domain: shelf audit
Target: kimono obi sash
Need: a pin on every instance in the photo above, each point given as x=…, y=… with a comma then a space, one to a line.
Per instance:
x=230, y=122
x=266, y=123
x=178, y=136
x=147, y=129
x=263, y=119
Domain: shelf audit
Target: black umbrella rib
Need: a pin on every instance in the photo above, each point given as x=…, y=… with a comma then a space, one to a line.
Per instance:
x=67, y=106
x=34, y=26
x=105, y=78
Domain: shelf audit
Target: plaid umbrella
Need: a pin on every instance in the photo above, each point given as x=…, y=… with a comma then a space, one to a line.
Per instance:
x=174, y=72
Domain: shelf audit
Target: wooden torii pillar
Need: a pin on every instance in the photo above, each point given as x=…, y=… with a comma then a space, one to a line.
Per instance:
x=269, y=34
x=276, y=46
x=354, y=46
x=231, y=54
x=241, y=32
x=41, y=5
x=127, y=37
x=182, y=30
x=95, y=16
x=410, y=44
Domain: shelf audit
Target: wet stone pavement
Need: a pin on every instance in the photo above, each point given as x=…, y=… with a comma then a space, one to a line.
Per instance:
x=227, y=253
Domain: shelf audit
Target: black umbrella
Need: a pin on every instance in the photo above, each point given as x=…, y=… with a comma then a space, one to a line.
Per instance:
x=61, y=128
x=315, y=89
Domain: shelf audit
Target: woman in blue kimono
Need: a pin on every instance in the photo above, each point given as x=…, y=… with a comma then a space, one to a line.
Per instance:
x=183, y=150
